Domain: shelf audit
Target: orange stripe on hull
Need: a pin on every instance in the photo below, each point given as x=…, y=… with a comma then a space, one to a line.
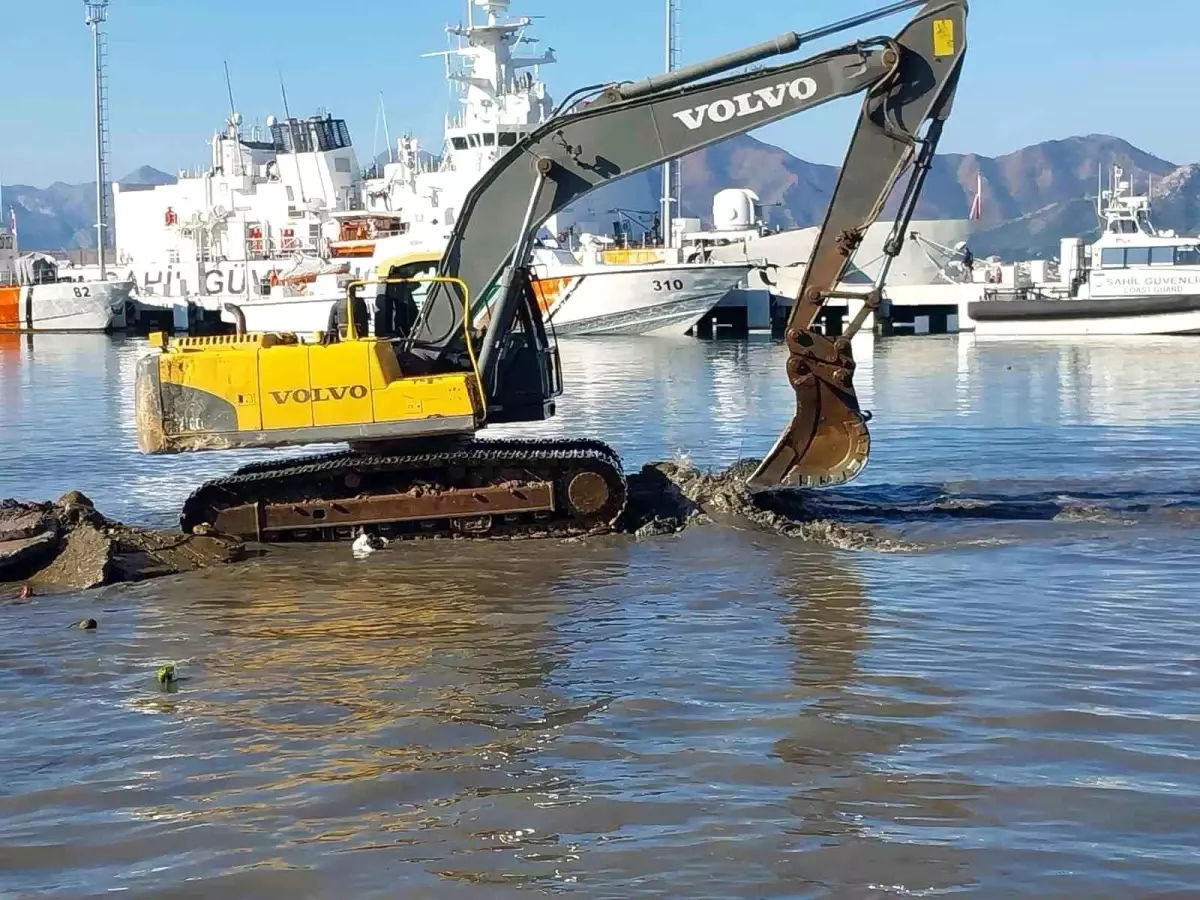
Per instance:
x=548, y=290
x=10, y=307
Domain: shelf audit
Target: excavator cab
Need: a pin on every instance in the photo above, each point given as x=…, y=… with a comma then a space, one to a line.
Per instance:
x=402, y=285
x=409, y=404
x=529, y=371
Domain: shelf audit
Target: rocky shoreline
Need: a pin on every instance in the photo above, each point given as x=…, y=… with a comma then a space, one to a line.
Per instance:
x=69, y=545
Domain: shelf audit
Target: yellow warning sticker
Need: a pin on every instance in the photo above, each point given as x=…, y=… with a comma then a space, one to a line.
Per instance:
x=943, y=37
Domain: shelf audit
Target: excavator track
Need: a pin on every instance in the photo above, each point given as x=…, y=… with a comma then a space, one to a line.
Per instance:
x=479, y=489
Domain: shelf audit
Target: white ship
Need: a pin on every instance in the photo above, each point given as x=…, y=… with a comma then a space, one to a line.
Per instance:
x=280, y=221
x=1134, y=279
x=265, y=202
x=502, y=100
x=778, y=258
x=35, y=295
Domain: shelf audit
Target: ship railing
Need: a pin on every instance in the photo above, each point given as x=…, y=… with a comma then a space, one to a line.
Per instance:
x=1026, y=292
x=282, y=248
x=392, y=232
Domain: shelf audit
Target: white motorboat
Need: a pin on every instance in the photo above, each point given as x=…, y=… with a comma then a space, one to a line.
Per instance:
x=1134, y=279
x=649, y=299
x=34, y=296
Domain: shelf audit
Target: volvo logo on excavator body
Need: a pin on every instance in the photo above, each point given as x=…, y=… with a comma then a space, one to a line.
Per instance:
x=747, y=104
x=320, y=394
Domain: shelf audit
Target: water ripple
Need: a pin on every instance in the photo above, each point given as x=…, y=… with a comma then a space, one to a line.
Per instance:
x=1009, y=711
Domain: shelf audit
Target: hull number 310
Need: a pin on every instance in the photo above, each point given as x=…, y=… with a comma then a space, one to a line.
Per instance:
x=667, y=284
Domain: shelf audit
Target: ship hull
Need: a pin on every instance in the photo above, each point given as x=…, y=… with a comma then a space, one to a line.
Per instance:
x=1108, y=316
x=300, y=315
x=69, y=306
x=651, y=300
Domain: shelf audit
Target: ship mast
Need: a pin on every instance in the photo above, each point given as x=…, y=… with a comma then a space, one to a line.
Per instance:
x=95, y=15
x=671, y=171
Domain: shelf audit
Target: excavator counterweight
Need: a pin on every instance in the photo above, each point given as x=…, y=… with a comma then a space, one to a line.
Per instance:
x=409, y=402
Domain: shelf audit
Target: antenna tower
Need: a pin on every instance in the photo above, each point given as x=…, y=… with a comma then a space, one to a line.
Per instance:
x=95, y=15
x=672, y=172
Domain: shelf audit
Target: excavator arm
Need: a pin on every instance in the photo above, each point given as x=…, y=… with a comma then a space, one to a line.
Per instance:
x=909, y=81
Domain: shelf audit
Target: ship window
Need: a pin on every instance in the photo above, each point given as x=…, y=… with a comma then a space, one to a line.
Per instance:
x=290, y=194
x=489, y=140
x=1137, y=256
x=460, y=143
x=1187, y=256
x=1112, y=257
x=1162, y=256
x=508, y=139
x=341, y=164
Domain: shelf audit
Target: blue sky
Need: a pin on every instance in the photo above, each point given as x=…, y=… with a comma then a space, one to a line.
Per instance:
x=1036, y=70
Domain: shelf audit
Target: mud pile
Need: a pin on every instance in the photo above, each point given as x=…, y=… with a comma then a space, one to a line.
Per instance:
x=666, y=497
x=68, y=545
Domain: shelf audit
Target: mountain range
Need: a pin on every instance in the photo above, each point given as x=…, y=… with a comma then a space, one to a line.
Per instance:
x=63, y=216
x=1031, y=198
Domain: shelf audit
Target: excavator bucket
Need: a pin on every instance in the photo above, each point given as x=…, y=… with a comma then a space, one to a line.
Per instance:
x=827, y=442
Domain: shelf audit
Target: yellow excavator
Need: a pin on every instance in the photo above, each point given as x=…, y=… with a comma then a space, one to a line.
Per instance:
x=409, y=405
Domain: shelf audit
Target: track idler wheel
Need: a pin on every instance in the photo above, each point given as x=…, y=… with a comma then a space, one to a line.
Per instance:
x=587, y=492
x=827, y=442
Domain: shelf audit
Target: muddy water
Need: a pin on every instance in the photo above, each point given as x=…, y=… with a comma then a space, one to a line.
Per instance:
x=995, y=696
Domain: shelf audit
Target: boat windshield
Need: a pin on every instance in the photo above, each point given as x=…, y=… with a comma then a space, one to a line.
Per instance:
x=1187, y=255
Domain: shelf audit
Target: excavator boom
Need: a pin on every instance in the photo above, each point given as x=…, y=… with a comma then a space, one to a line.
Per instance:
x=909, y=81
